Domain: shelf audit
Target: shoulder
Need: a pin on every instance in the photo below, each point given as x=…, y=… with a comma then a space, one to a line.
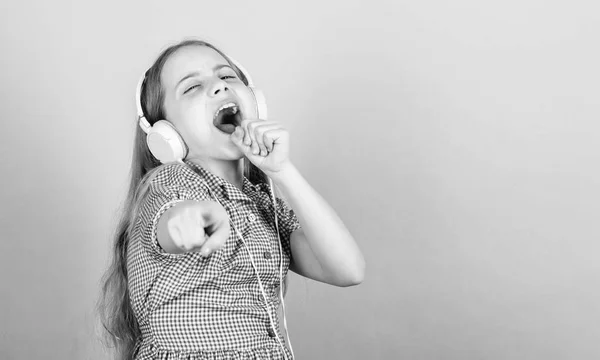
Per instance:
x=174, y=174
x=174, y=181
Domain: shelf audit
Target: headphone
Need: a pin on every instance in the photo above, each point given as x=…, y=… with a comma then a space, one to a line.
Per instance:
x=162, y=138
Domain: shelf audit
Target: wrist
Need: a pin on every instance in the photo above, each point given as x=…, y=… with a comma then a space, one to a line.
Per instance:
x=287, y=172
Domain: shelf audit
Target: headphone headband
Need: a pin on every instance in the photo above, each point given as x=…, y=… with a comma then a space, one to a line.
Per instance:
x=144, y=124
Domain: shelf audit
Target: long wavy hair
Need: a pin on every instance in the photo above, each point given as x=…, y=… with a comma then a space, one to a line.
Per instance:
x=116, y=314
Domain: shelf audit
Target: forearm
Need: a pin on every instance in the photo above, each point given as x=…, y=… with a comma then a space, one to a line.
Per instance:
x=330, y=241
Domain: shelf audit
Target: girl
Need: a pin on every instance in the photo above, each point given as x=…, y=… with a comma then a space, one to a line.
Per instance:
x=203, y=245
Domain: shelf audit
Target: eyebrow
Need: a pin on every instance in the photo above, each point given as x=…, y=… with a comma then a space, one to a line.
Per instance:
x=197, y=73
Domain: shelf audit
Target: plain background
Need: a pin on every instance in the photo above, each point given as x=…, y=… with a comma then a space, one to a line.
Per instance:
x=458, y=140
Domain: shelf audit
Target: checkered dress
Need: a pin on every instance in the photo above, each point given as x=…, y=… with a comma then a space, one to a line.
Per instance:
x=191, y=307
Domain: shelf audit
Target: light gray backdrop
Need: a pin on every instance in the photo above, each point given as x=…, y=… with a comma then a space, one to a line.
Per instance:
x=458, y=140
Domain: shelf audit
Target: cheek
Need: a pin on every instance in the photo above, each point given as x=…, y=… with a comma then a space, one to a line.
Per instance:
x=194, y=115
x=193, y=126
x=197, y=131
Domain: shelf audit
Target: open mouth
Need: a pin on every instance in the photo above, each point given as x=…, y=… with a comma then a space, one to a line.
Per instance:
x=227, y=117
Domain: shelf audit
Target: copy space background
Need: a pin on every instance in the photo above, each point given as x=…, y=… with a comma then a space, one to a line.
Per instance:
x=458, y=140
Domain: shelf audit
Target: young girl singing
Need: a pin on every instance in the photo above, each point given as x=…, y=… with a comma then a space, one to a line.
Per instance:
x=203, y=244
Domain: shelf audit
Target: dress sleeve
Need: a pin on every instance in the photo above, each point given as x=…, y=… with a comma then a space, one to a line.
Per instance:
x=160, y=196
x=288, y=223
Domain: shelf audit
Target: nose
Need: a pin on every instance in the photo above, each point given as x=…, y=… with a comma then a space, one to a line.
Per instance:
x=217, y=87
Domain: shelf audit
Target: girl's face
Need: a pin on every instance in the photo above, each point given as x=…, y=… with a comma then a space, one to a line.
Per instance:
x=205, y=99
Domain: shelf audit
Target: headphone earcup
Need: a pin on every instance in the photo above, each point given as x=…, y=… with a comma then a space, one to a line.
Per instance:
x=261, y=102
x=165, y=143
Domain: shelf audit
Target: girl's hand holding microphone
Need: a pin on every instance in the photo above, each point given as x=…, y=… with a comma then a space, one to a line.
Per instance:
x=193, y=226
x=264, y=143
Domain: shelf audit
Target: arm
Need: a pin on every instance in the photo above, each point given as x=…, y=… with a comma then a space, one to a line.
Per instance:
x=323, y=249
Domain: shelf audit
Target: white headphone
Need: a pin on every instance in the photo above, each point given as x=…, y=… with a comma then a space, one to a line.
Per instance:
x=162, y=138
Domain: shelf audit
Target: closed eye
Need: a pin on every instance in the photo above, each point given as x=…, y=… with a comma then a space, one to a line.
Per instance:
x=191, y=88
x=225, y=77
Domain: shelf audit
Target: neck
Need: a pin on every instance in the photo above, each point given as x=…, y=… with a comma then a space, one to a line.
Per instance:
x=230, y=170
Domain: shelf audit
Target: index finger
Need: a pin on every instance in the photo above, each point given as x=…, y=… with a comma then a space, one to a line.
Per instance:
x=244, y=125
x=216, y=239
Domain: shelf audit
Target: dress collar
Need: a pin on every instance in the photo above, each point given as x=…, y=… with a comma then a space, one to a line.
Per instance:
x=223, y=188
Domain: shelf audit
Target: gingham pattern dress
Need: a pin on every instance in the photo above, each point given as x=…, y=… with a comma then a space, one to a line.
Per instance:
x=194, y=307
